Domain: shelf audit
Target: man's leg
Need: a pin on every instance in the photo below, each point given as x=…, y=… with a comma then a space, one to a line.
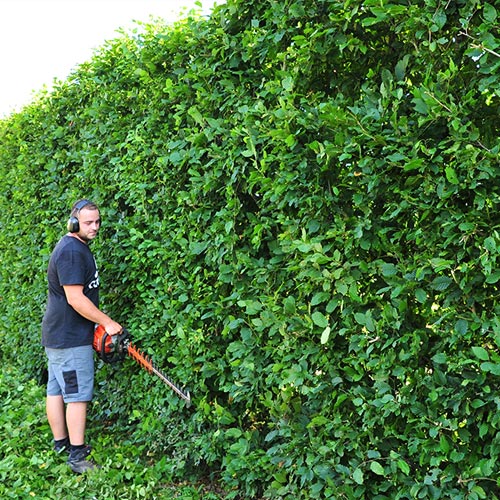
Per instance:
x=76, y=418
x=56, y=417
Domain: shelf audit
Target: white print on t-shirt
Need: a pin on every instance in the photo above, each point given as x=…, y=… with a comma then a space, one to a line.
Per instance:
x=94, y=283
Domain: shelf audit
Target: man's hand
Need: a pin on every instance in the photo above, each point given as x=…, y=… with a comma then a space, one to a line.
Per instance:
x=112, y=327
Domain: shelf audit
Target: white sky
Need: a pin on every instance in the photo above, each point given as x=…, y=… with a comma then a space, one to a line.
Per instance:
x=45, y=39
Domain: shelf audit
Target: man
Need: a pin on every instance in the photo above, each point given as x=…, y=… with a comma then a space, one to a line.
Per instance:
x=67, y=333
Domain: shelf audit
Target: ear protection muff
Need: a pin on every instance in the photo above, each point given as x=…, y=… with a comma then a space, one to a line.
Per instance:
x=73, y=223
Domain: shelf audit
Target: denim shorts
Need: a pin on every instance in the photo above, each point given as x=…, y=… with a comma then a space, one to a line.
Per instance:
x=71, y=373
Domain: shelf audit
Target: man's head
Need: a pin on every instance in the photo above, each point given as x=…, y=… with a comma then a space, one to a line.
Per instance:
x=85, y=220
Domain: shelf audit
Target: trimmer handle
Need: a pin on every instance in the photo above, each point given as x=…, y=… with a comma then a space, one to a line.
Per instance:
x=110, y=348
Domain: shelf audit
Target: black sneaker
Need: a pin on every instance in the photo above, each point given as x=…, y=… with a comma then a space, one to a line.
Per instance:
x=61, y=446
x=77, y=460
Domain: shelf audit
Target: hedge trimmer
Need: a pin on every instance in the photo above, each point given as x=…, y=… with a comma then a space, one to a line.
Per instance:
x=114, y=348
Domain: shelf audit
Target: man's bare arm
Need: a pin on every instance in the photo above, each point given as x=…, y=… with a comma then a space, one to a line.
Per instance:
x=85, y=307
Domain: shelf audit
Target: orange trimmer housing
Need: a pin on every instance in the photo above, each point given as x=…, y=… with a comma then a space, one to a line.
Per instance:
x=110, y=348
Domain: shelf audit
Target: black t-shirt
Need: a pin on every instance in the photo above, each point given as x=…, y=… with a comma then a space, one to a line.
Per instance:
x=71, y=263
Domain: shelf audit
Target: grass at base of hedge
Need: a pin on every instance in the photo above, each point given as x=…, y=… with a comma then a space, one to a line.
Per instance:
x=29, y=468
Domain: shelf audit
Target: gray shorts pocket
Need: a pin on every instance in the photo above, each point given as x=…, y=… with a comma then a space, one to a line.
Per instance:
x=70, y=382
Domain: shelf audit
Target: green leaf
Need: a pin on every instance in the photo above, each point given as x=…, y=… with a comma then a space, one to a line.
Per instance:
x=370, y=21
x=360, y=318
x=396, y=157
x=198, y=248
x=376, y=468
x=403, y=466
x=481, y=353
x=400, y=69
x=493, y=278
x=489, y=13
x=317, y=421
x=289, y=305
x=493, y=368
x=413, y=164
x=325, y=335
x=444, y=444
x=194, y=113
x=441, y=283
x=420, y=105
x=421, y=295
x=319, y=319
x=440, y=358
x=251, y=306
x=389, y=269
x=461, y=327
x=358, y=476
x=287, y=83
x=479, y=491
x=451, y=175
x=370, y=325
x=320, y=297
x=490, y=244
x=439, y=19
x=439, y=264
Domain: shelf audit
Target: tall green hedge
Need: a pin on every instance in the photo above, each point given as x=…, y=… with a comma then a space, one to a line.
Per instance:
x=300, y=205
